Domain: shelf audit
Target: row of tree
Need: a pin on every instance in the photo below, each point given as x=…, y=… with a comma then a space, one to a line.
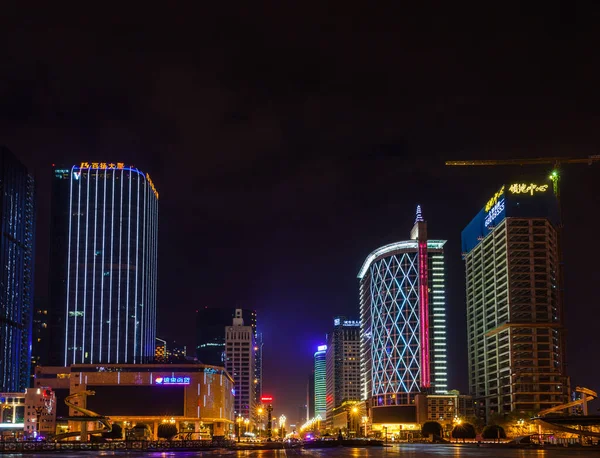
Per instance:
x=462, y=431
x=165, y=431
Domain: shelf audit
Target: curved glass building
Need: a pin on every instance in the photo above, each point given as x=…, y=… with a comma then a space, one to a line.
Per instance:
x=403, y=328
x=104, y=250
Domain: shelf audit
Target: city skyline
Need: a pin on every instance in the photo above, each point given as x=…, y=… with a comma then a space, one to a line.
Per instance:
x=288, y=142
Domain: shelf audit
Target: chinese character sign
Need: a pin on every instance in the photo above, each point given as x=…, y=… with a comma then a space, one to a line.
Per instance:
x=523, y=188
x=172, y=380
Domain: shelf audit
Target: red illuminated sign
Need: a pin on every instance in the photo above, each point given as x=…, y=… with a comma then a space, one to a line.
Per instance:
x=267, y=399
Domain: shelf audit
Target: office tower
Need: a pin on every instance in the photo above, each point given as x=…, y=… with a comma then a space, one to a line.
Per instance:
x=321, y=382
x=239, y=362
x=515, y=329
x=403, y=328
x=258, y=358
x=103, y=257
x=17, y=216
x=343, y=364
x=210, y=332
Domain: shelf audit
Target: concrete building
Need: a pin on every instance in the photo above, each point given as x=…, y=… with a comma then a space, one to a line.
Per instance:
x=40, y=412
x=104, y=265
x=514, y=314
x=343, y=377
x=444, y=408
x=17, y=220
x=403, y=326
x=240, y=363
x=193, y=396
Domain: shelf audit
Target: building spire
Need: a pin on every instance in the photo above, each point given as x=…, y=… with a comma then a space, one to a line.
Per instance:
x=419, y=215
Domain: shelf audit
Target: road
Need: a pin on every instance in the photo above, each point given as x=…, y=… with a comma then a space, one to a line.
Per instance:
x=404, y=451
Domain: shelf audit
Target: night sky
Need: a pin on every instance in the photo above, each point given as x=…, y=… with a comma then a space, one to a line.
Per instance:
x=288, y=142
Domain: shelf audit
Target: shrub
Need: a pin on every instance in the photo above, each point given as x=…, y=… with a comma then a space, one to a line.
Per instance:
x=493, y=432
x=464, y=431
x=166, y=431
x=431, y=427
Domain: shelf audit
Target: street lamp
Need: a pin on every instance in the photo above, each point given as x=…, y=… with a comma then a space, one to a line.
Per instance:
x=238, y=422
x=353, y=420
x=260, y=412
x=246, y=423
x=282, y=425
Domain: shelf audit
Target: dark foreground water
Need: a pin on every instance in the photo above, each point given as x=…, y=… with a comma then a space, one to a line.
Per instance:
x=404, y=451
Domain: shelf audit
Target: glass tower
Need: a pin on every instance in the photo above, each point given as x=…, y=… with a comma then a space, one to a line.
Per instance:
x=320, y=381
x=17, y=216
x=403, y=320
x=104, y=266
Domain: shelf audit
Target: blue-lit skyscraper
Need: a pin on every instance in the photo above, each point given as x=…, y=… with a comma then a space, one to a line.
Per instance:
x=403, y=324
x=321, y=381
x=17, y=216
x=103, y=258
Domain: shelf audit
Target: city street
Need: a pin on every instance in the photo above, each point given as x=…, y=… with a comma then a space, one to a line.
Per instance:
x=405, y=450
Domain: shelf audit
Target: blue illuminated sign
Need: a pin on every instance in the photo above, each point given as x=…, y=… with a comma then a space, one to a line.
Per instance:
x=172, y=380
x=496, y=211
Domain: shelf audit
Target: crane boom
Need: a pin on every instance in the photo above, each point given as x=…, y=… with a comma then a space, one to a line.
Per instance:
x=531, y=161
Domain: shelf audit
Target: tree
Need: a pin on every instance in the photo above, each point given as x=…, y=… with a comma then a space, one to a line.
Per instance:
x=431, y=427
x=166, y=431
x=464, y=431
x=115, y=433
x=493, y=432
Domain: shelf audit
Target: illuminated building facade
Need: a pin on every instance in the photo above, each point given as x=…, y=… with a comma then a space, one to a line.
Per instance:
x=514, y=317
x=104, y=266
x=343, y=364
x=192, y=396
x=240, y=360
x=17, y=217
x=210, y=332
x=403, y=324
x=320, y=392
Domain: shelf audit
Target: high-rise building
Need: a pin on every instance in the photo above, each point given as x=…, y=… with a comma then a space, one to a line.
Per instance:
x=104, y=267
x=258, y=372
x=343, y=364
x=17, y=217
x=210, y=332
x=239, y=362
x=321, y=382
x=403, y=324
x=515, y=329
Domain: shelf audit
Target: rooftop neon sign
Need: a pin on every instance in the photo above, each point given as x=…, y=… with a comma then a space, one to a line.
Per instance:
x=115, y=166
x=172, y=380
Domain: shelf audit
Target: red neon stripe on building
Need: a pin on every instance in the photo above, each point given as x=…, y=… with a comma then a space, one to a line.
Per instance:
x=424, y=318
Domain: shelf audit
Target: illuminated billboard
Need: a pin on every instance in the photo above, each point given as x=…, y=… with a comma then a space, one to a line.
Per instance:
x=517, y=200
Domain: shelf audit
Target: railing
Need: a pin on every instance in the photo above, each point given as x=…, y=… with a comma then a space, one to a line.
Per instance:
x=32, y=446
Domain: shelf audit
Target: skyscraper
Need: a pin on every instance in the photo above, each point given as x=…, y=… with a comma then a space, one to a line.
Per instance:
x=403, y=327
x=210, y=332
x=343, y=364
x=104, y=266
x=321, y=382
x=515, y=329
x=17, y=216
x=239, y=362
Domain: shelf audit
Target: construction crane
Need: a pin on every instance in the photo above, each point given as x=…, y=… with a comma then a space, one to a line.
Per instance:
x=555, y=177
x=555, y=161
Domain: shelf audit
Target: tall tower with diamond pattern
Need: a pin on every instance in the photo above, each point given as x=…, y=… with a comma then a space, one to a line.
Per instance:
x=403, y=324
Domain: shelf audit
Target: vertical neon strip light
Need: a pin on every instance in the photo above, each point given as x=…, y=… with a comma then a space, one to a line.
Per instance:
x=128, y=270
x=135, y=294
x=93, y=328
x=143, y=278
x=424, y=309
x=112, y=243
x=103, y=267
x=120, y=268
x=73, y=361
x=85, y=273
x=68, y=294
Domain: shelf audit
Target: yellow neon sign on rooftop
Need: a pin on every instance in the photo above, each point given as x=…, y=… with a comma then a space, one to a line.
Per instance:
x=494, y=199
x=523, y=188
x=115, y=166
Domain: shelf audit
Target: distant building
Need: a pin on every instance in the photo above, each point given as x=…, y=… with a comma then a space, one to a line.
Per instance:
x=258, y=365
x=104, y=234
x=310, y=395
x=171, y=353
x=240, y=360
x=403, y=326
x=40, y=341
x=343, y=379
x=17, y=217
x=321, y=382
x=210, y=332
x=514, y=315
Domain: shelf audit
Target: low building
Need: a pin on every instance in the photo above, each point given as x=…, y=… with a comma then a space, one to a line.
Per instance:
x=444, y=408
x=195, y=397
x=40, y=412
x=12, y=414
